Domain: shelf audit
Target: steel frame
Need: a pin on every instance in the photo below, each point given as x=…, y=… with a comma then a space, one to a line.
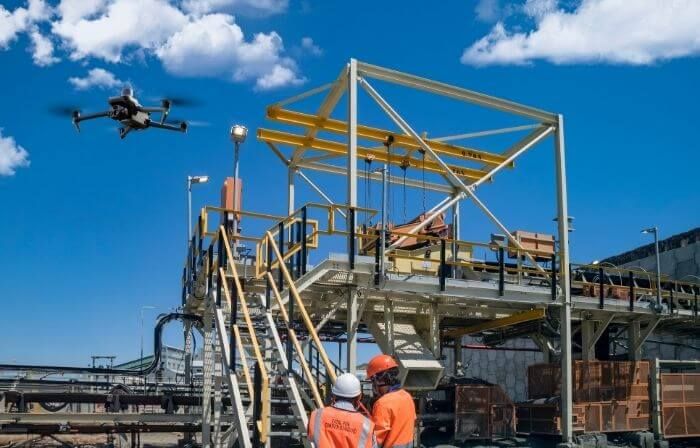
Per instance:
x=358, y=73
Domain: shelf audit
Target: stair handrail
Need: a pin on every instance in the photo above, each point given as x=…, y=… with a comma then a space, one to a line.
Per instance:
x=302, y=309
x=295, y=341
x=260, y=360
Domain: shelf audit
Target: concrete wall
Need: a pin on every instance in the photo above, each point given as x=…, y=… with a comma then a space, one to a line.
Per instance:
x=676, y=263
x=508, y=369
x=667, y=346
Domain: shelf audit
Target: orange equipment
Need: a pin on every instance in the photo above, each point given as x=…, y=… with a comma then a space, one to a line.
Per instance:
x=379, y=364
x=340, y=428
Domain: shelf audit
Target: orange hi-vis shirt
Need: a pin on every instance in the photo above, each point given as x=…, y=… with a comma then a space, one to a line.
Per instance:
x=340, y=426
x=394, y=417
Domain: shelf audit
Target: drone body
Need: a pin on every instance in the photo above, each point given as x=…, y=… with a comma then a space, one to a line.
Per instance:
x=126, y=109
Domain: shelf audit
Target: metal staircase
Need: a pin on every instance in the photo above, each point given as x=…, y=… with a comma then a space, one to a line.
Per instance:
x=252, y=354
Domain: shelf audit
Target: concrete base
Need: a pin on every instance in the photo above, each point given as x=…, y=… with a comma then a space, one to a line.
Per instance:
x=567, y=445
x=592, y=440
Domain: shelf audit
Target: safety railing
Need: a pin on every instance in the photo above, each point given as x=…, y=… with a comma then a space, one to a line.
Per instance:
x=443, y=256
x=222, y=271
x=294, y=305
x=613, y=283
x=261, y=386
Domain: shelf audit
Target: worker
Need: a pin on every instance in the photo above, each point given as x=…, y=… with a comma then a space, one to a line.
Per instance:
x=393, y=414
x=341, y=425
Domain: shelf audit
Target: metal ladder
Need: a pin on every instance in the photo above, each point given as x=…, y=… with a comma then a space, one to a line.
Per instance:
x=270, y=384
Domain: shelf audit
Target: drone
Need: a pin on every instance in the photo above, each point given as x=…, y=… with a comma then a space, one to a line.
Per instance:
x=126, y=109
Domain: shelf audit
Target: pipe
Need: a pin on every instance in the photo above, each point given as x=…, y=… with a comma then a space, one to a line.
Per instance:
x=157, y=345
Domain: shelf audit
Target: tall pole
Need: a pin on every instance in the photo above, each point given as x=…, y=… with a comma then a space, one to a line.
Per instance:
x=235, y=197
x=658, y=266
x=141, y=357
x=352, y=145
x=564, y=281
x=189, y=210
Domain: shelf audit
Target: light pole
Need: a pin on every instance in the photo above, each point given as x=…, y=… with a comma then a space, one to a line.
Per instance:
x=238, y=134
x=655, y=231
x=145, y=307
x=192, y=180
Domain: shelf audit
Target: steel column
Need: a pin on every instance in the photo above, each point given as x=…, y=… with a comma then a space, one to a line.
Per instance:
x=565, y=281
x=352, y=146
x=455, y=236
x=352, y=321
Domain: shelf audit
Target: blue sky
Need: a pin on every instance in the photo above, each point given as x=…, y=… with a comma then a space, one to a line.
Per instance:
x=93, y=227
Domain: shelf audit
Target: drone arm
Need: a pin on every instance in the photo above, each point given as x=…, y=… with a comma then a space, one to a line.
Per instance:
x=77, y=118
x=163, y=110
x=80, y=118
x=152, y=109
x=182, y=127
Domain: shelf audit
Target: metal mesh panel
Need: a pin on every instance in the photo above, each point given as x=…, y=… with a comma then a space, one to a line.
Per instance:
x=482, y=412
x=680, y=395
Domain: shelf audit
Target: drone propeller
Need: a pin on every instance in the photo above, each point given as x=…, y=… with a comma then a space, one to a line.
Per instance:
x=190, y=123
x=76, y=119
x=62, y=110
x=183, y=101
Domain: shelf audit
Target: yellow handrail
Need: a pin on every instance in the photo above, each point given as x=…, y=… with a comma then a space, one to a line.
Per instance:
x=244, y=359
x=330, y=371
x=295, y=341
x=265, y=414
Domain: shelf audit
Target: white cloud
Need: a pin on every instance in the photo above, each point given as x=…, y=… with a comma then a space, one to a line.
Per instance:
x=42, y=49
x=214, y=46
x=539, y=8
x=279, y=76
x=246, y=7
x=123, y=24
x=183, y=34
x=96, y=77
x=20, y=19
x=610, y=31
x=12, y=156
x=488, y=11
x=72, y=11
x=308, y=45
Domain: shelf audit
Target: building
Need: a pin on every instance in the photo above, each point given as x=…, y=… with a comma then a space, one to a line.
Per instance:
x=679, y=256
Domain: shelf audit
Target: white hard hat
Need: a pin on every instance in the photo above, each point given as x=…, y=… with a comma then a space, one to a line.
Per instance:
x=347, y=386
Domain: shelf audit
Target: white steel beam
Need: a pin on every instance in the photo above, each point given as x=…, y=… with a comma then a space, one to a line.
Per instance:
x=303, y=95
x=327, y=106
x=320, y=192
x=352, y=150
x=440, y=88
x=396, y=180
x=452, y=177
x=519, y=148
x=449, y=138
x=567, y=428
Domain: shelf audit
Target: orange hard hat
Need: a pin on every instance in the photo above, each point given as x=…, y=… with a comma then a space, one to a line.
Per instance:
x=379, y=364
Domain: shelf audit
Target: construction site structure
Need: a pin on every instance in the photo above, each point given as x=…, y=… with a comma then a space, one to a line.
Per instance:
x=265, y=309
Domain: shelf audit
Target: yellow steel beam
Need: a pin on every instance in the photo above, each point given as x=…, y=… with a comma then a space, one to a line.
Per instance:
x=341, y=127
x=295, y=140
x=513, y=319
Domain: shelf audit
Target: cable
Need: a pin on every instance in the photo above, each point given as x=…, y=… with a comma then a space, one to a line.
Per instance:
x=422, y=151
x=157, y=346
x=404, y=168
